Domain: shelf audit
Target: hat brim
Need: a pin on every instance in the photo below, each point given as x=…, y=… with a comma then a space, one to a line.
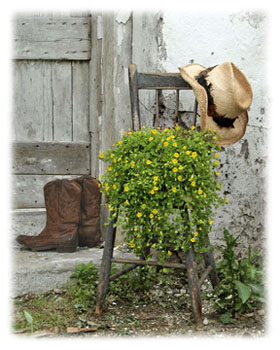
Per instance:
x=229, y=135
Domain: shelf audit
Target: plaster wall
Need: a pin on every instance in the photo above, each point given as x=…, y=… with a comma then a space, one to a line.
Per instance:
x=210, y=38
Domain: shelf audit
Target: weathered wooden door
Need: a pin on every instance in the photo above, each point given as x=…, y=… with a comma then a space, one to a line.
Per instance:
x=52, y=121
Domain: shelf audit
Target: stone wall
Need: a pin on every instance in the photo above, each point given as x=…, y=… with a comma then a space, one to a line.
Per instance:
x=210, y=38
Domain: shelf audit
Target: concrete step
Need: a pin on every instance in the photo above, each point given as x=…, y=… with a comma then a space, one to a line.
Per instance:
x=38, y=272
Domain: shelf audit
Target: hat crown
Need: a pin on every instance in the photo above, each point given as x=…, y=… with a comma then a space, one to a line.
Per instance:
x=230, y=89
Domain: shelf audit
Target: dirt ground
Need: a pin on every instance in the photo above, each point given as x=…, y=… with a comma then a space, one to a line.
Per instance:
x=156, y=319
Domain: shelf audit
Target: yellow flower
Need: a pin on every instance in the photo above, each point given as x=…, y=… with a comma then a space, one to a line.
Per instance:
x=164, y=270
x=153, y=246
x=151, y=216
x=216, y=162
x=174, y=144
x=179, y=177
x=126, y=202
x=143, y=206
x=155, y=178
x=126, y=189
x=196, y=234
x=120, y=158
x=152, y=192
x=193, y=240
x=155, y=211
x=193, y=183
x=148, y=162
x=191, y=178
x=155, y=188
x=138, y=236
x=114, y=187
x=120, y=142
x=194, y=155
x=217, y=173
x=101, y=155
x=139, y=214
x=165, y=144
x=151, y=138
x=130, y=133
x=174, y=161
x=210, y=221
x=154, y=131
x=175, y=170
x=217, y=155
x=193, y=127
x=124, y=133
x=132, y=163
x=165, y=130
x=214, y=130
x=184, y=147
x=176, y=155
x=132, y=244
x=180, y=167
x=199, y=191
x=174, y=189
x=169, y=253
x=226, y=200
x=188, y=152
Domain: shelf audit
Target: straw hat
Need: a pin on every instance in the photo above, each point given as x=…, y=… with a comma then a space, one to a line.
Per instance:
x=224, y=95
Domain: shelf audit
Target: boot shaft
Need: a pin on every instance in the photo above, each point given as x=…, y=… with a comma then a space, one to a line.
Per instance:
x=89, y=228
x=91, y=197
x=62, y=201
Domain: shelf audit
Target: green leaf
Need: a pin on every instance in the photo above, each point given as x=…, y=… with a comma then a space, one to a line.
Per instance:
x=256, y=288
x=226, y=318
x=29, y=319
x=80, y=267
x=244, y=291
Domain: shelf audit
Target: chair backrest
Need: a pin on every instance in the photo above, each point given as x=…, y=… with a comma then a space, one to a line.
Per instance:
x=153, y=81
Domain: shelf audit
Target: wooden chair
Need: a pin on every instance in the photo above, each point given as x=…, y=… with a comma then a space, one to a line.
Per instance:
x=158, y=82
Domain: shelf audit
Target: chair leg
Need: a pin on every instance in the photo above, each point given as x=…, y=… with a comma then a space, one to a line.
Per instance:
x=105, y=269
x=194, y=287
x=209, y=260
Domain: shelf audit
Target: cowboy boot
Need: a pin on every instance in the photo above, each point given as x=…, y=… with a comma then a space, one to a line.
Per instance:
x=89, y=226
x=62, y=200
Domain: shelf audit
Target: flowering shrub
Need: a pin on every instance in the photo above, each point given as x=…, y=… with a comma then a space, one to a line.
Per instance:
x=163, y=186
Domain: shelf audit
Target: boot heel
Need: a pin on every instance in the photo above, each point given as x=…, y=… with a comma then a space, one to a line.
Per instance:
x=66, y=249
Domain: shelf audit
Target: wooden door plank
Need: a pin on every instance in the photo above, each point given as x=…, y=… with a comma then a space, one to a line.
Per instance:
x=55, y=38
x=62, y=101
x=28, y=190
x=80, y=101
x=33, y=158
x=32, y=101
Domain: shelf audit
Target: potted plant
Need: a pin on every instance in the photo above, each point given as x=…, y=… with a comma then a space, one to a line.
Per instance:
x=162, y=185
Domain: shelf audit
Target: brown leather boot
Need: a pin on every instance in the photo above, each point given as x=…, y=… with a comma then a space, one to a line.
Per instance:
x=62, y=200
x=89, y=227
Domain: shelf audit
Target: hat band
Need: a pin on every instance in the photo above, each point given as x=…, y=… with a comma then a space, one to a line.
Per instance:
x=221, y=120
